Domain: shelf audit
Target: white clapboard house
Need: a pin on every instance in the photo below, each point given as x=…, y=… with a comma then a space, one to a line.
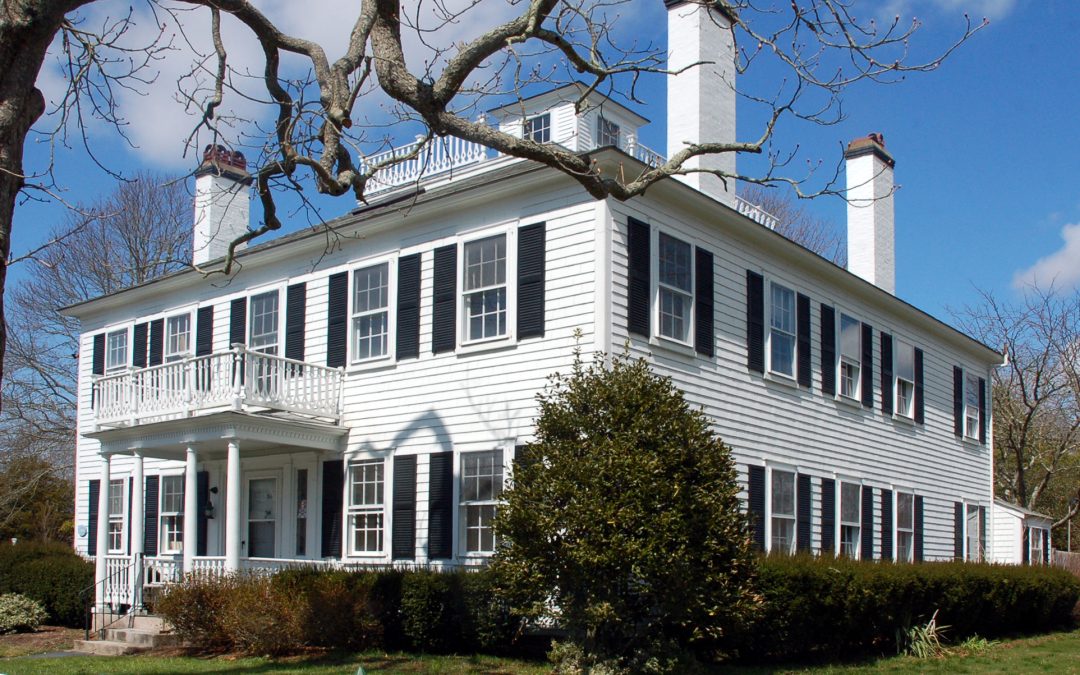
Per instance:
x=362, y=404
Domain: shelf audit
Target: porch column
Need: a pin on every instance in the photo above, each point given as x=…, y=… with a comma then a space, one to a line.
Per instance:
x=232, y=508
x=100, y=568
x=191, y=509
x=137, y=521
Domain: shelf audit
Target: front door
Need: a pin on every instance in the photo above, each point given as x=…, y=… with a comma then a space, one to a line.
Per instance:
x=263, y=525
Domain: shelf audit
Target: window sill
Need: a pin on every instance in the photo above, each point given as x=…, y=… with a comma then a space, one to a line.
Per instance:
x=782, y=379
x=849, y=402
x=673, y=346
x=972, y=441
x=381, y=363
x=489, y=345
x=904, y=419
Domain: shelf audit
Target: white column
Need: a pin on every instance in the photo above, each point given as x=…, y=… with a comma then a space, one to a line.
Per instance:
x=191, y=509
x=232, y=508
x=100, y=569
x=137, y=519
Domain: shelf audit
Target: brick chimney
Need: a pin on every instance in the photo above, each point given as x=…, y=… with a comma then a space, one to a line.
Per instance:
x=701, y=99
x=870, y=238
x=222, y=208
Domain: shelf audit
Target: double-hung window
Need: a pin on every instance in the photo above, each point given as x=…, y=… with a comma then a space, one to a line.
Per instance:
x=366, y=505
x=675, y=288
x=538, y=128
x=177, y=337
x=171, y=514
x=263, y=333
x=972, y=549
x=607, y=132
x=116, y=351
x=481, y=485
x=782, y=513
x=850, y=356
x=905, y=378
x=116, y=515
x=781, y=330
x=371, y=312
x=905, y=527
x=850, y=519
x=971, y=406
x=1035, y=545
x=484, y=289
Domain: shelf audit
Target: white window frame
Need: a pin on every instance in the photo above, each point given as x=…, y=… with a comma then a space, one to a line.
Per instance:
x=1035, y=547
x=659, y=288
x=772, y=516
x=509, y=235
x=902, y=383
x=608, y=132
x=972, y=413
x=483, y=504
x=276, y=348
x=774, y=330
x=375, y=508
x=390, y=309
x=855, y=552
x=530, y=128
x=167, y=517
x=843, y=360
x=969, y=540
x=172, y=352
x=117, y=522
x=117, y=365
x=898, y=530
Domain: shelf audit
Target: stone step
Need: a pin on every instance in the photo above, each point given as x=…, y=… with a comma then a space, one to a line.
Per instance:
x=142, y=637
x=150, y=623
x=107, y=648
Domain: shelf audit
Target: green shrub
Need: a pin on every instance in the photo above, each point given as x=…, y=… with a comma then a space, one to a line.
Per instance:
x=53, y=574
x=20, y=614
x=430, y=614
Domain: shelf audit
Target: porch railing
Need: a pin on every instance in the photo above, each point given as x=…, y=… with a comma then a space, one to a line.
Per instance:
x=235, y=378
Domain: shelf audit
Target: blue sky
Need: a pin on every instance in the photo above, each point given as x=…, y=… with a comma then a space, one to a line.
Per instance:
x=987, y=149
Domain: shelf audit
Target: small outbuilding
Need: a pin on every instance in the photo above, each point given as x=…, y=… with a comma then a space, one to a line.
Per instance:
x=1020, y=536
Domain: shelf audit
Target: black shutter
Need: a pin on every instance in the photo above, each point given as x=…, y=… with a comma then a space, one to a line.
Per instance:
x=97, y=360
x=138, y=347
x=958, y=531
x=1046, y=546
x=295, y=320
x=867, y=523
x=238, y=322
x=333, y=484
x=982, y=411
x=828, y=516
x=523, y=456
x=755, y=322
x=982, y=533
x=958, y=401
x=337, y=314
x=886, y=525
x=444, y=311
x=828, y=351
x=408, y=307
x=440, y=506
x=802, y=514
x=918, y=528
x=920, y=405
x=93, y=490
x=755, y=489
x=157, y=343
x=204, y=331
x=150, y=516
x=867, y=366
x=803, y=338
x=202, y=498
x=886, y=374
x=1026, y=544
x=638, y=241
x=704, y=330
x=530, y=290
x=403, y=537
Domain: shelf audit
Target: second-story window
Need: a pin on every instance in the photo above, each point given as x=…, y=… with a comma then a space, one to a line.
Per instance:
x=484, y=288
x=607, y=132
x=850, y=519
x=371, y=316
x=264, y=323
x=538, y=128
x=116, y=351
x=971, y=406
x=782, y=330
x=905, y=379
x=177, y=337
x=676, y=298
x=783, y=512
x=850, y=356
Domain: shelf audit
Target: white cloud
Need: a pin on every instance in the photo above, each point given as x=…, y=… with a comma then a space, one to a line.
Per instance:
x=1060, y=269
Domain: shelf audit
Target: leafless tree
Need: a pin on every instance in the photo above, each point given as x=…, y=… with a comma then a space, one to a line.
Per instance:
x=797, y=223
x=813, y=50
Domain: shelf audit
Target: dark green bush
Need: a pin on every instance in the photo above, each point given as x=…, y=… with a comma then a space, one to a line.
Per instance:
x=52, y=574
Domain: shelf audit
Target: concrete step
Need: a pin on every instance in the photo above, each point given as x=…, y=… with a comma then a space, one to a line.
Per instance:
x=150, y=623
x=107, y=647
x=142, y=637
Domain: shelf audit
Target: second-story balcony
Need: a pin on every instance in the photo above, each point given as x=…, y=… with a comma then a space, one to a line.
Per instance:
x=236, y=379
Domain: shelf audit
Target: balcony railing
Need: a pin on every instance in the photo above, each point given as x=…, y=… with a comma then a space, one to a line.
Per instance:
x=236, y=379
x=409, y=163
x=756, y=213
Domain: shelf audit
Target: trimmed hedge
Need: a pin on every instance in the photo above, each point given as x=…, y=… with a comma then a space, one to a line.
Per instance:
x=836, y=606
x=53, y=574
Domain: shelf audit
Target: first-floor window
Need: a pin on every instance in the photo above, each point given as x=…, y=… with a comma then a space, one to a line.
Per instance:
x=172, y=514
x=116, y=516
x=301, y=511
x=366, y=506
x=1035, y=545
x=481, y=485
x=850, y=356
x=783, y=512
x=850, y=519
x=973, y=551
x=905, y=527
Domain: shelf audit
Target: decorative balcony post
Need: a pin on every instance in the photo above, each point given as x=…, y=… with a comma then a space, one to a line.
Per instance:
x=232, y=508
x=137, y=525
x=191, y=509
x=238, y=375
x=190, y=373
x=101, y=572
x=132, y=395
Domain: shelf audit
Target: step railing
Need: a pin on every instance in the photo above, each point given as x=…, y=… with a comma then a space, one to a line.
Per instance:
x=115, y=597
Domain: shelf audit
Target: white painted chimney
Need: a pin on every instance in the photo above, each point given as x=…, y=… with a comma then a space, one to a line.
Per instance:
x=701, y=99
x=870, y=239
x=222, y=203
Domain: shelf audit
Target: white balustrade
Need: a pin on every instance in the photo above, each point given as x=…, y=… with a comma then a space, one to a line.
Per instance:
x=409, y=163
x=646, y=155
x=161, y=571
x=756, y=213
x=118, y=570
x=210, y=566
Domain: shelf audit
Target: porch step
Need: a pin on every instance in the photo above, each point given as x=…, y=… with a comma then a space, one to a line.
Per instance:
x=150, y=623
x=107, y=647
x=142, y=638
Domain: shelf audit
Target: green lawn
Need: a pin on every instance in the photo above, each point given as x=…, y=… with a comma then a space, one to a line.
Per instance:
x=1057, y=653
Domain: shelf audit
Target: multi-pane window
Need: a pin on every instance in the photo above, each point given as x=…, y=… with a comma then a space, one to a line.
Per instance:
x=371, y=315
x=177, y=337
x=263, y=335
x=301, y=511
x=972, y=549
x=1035, y=545
x=676, y=297
x=905, y=378
x=116, y=516
x=481, y=485
x=116, y=350
x=171, y=514
x=850, y=356
x=850, y=519
x=538, y=128
x=484, y=288
x=607, y=132
x=905, y=527
x=782, y=330
x=783, y=512
x=366, y=510
x=971, y=406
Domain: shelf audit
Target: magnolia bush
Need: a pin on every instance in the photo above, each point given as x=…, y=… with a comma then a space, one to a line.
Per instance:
x=20, y=614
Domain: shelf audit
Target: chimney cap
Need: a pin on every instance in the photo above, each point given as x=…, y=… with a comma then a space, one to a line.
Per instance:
x=217, y=159
x=723, y=8
x=870, y=144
